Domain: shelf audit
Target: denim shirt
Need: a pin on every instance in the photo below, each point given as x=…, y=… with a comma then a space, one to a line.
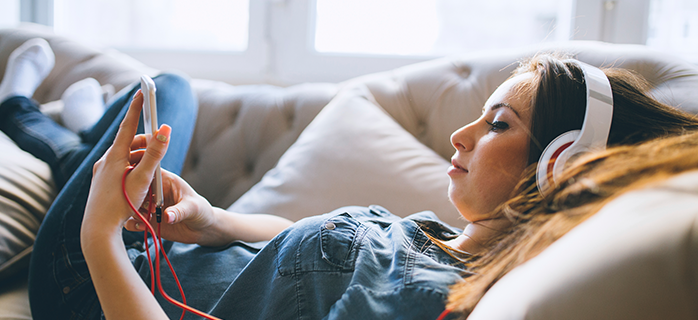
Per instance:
x=352, y=263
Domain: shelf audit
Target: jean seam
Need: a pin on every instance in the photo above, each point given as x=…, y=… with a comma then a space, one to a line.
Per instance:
x=62, y=249
x=33, y=133
x=28, y=130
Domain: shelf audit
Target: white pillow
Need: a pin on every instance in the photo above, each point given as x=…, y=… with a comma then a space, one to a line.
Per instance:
x=353, y=153
x=637, y=258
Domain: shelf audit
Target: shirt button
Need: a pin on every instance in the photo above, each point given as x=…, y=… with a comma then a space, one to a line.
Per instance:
x=330, y=225
x=66, y=290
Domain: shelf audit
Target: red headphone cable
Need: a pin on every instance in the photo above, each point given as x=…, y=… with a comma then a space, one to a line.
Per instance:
x=157, y=242
x=443, y=314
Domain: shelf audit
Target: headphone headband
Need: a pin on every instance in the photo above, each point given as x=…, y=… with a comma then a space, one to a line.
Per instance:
x=594, y=132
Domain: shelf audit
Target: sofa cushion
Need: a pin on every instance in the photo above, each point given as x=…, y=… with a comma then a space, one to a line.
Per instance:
x=26, y=192
x=242, y=131
x=637, y=258
x=14, y=299
x=434, y=98
x=353, y=153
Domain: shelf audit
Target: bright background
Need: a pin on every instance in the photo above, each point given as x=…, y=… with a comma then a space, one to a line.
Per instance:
x=291, y=41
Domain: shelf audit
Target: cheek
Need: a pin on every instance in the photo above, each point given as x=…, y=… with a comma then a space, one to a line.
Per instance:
x=498, y=172
x=502, y=177
x=517, y=160
x=503, y=163
x=514, y=163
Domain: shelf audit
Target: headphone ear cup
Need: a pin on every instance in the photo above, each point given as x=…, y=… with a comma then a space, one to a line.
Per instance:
x=545, y=171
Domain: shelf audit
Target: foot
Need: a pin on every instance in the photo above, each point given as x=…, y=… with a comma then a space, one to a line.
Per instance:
x=83, y=105
x=27, y=67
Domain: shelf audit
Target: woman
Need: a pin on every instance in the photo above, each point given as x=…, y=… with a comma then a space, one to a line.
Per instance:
x=551, y=89
x=535, y=221
x=350, y=263
x=590, y=183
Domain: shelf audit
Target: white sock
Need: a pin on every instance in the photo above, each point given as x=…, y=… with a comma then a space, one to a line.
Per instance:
x=27, y=67
x=83, y=105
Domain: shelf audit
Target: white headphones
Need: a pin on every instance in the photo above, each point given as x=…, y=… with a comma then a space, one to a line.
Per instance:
x=594, y=133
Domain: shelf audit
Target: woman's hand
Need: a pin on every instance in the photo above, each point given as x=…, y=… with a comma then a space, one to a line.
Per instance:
x=187, y=217
x=190, y=218
x=106, y=209
x=121, y=292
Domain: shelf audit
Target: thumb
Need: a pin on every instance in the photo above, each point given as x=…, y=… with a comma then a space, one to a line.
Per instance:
x=181, y=211
x=154, y=152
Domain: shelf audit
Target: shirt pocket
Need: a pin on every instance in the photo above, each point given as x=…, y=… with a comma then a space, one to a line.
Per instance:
x=327, y=243
x=340, y=238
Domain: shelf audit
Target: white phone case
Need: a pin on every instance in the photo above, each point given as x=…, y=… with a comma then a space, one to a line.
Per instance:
x=150, y=124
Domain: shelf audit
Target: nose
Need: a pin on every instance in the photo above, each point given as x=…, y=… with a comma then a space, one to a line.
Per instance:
x=463, y=139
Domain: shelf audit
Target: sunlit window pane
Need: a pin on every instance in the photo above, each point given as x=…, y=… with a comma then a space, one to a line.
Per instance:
x=9, y=13
x=202, y=25
x=673, y=26
x=431, y=27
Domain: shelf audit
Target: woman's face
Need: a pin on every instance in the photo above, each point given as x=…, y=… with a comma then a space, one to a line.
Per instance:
x=491, y=153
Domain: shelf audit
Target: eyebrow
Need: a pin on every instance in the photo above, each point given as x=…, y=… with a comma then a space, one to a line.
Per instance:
x=506, y=105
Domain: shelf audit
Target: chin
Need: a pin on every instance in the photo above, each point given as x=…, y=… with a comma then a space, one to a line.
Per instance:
x=466, y=212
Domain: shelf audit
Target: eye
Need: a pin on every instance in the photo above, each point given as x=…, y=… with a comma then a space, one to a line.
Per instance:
x=497, y=125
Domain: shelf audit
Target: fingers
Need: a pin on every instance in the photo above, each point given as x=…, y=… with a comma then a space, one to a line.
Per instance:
x=139, y=142
x=136, y=156
x=154, y=152
x=134, y=224
x=137, y=149
x=176, y=213
x=173, y=214
x=129, y=126
x=183, y=210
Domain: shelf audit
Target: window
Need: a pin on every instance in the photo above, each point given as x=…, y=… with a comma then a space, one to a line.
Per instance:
x=673, y=27
x=285, y=42
x=212, y=39
x=334, y=40
x=9, y=15
x=432, y=27
x=202, y=25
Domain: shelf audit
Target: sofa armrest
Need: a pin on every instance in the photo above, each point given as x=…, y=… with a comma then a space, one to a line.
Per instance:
x=74, y=62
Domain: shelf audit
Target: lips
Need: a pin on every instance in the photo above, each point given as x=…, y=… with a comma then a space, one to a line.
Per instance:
x=456, y=167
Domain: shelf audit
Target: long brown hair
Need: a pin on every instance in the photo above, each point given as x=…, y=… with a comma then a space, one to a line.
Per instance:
x=558, y=101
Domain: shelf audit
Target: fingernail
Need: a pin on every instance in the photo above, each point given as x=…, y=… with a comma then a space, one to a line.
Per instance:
x=164, y=133
x=138, y=225
x=170, y=217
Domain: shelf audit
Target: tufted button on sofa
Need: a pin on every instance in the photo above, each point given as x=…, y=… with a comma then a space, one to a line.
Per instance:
x=306, y=149
x=248, y=128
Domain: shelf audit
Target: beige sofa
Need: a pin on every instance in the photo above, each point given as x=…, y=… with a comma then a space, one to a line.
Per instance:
x=384, y=139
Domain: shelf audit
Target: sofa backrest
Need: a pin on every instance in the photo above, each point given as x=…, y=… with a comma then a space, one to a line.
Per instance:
x=430, y=100
x=434, y=98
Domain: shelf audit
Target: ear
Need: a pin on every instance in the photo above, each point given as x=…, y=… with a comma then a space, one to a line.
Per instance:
x=545, y=172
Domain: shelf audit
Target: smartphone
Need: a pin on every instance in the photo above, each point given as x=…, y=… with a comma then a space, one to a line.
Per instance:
x=150, y=124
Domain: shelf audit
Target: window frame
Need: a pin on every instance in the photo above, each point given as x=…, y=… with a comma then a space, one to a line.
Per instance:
x=281, y=42
x=236, y=67
x=293, y=28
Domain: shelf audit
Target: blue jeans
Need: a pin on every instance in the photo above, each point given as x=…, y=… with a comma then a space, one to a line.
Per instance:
x=59, y=281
